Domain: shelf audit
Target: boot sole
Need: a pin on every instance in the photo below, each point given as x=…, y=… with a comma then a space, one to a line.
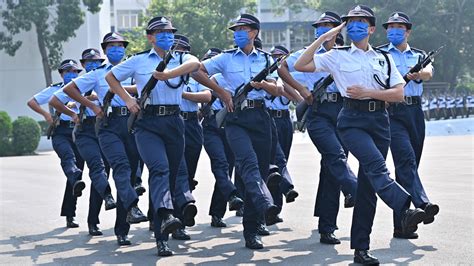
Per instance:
x=171, y=227
x=78, y=188
x=189, y=213
x=415, y=220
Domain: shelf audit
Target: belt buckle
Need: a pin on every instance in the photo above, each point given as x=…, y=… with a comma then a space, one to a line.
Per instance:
x=372, y=106
x=123, y=111
x=185, y=115
x=408, y=100
x=161, y=110
x=250, y=104
x=279, y=114
x=332, y=97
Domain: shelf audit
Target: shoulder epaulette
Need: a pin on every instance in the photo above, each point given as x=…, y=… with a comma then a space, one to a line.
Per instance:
x=377, y=49
x=418, y=50
x=346, y=47
x=383, y=46
x=142, y=52
x=100, y=67
x=56, y=84
x=265, y=52
x=230, y=50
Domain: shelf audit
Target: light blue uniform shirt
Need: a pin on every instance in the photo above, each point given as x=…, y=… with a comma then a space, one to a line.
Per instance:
x=310, y=78
x=141, y=66
x=95, y=80
x=192, y=86
x=45, y=95
x=405, y=61
x=239, y=68
x=217, y=104
x=64, y=98
x=278, y=103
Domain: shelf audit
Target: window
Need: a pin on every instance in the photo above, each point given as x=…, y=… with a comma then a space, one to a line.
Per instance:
x=128, y=19
x=299, y=37
x=273, y=37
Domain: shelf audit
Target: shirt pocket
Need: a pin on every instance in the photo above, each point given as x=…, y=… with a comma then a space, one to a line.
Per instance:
x=380, y=71
x=351, y=72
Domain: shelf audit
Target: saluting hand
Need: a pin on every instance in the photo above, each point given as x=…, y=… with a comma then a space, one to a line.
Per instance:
x=98, y=111
x=132, y=105
x=357, y=92
x=332, y=33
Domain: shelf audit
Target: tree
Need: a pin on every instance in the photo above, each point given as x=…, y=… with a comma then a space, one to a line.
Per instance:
x=435, y=22
x=54, y=22
x=204, y=22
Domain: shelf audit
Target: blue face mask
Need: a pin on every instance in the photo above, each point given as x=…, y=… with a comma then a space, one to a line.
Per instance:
x=241, y=38
x=357, y=31
x=68, y=76
x=89, y=65
x=164, y=40
x=320, y=31
x=396, y=36
x=115, y=53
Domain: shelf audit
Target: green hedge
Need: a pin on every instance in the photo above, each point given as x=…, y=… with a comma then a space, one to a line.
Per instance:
x=5, y=133
x=20, y=137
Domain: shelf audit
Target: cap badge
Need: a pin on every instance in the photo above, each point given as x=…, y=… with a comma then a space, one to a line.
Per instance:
x=396, y=16
x=92, y=52
x=71, y=62
x=163, y=19
x=357, y=8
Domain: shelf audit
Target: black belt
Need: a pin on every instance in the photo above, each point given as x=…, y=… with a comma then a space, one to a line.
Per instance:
x=189, y=115
x=250, y=104
x=120, y=111
x=279, y=113
x=332, y=97
x=162, y=110
x=65, y=123
x=364, y=105
x=412, y=100
x=89, y=120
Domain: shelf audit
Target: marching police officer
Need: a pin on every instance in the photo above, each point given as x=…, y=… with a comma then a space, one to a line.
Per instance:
x=116, y=143
x=87, y=144
x=335, y=174
x=71, y=161
x=247, y=127
x=221, y=156
x=160, y=132
x=366, y=78
x=407, y=122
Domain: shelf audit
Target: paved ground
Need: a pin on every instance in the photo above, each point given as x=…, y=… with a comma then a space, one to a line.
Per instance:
x=31, y=231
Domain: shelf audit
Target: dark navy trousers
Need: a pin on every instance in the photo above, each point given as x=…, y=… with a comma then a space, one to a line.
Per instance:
x=367, y=136
x=335, y=174
x=160, y=142
x=249, y=135
x=222, y=162
x=279, y=159
x=284, y=128
x=120, y=150
x=71, y=163
x=407, y=127
x=88, y=145
x=193, y=141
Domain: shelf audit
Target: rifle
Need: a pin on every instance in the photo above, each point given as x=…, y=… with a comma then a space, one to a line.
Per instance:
x=422, y=64
x=149, y=86
x=82, y=111
x=243, y=90
x=206, y=108
x=53, y=125
x=302, y=109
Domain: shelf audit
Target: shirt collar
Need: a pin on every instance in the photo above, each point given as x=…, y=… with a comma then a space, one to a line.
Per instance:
x=152, y=51
x=407, y=50
x=354, y=48
x=254, y=51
